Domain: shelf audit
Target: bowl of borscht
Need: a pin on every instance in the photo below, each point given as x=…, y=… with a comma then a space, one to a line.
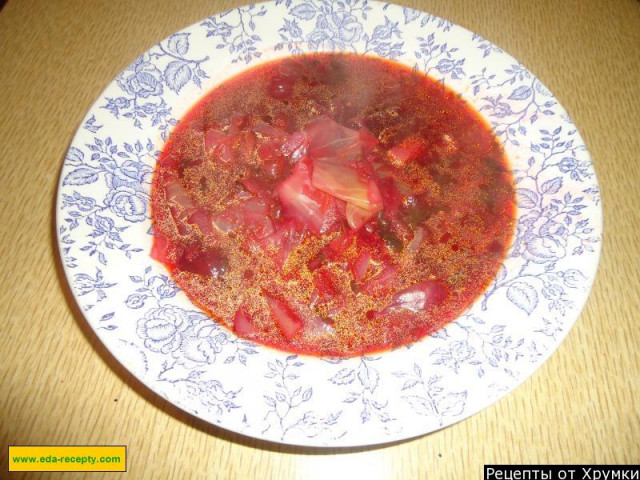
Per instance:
x=329, y=223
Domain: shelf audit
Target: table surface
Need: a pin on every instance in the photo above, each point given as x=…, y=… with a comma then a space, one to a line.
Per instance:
x=61, y=386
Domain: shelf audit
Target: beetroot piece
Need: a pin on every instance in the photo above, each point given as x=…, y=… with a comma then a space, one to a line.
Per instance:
x=243, y=324
x=160, y=249
x=208, y=262
x=287, y=320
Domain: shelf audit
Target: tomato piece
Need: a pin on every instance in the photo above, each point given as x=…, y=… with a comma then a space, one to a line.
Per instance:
x=331, y=251
x=374, y=197
x=317, y=261
x=256, y=217
x=176, y=194
x=287, y=320
x=257, y=186
x=245, y=147
x=223, y=150
x=239, y=145
x=339, y=244
x=392, y=199
x=281, y=87
x=400, y=156
x=421, y=296
x=447, y=145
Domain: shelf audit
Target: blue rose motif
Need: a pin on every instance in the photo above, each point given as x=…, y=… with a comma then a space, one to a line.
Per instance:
x=205, y=327
x=162, y=328
x=575, y=168
x=383, y=49
x=84, y=284
x=205, y=340
x=197, y=351
x=293, y=28
x=141, y=79
x=346, y=26
x=320, y=40
x=85, y=204
x=383, y=32
x=461, y=351
x=573, y=278
x=135, y=301
x=166, y=290
x=103, y=224
x=446, y=65
x=548, y=244
x=128, y=203
x=120, y=102
x=551, y=227
x=220, y=29
x=502, y=109
x=553, y=292
x=543, y=250
x=457, y=353
x=335, y=30
x=568, y=164
x=129, y=174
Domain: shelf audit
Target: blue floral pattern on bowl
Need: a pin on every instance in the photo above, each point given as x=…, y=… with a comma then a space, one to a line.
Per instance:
x=104, y=234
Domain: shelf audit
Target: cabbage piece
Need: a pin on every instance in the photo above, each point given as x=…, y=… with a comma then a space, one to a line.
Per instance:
x=286, y=237
x=310, y=206
x=328, y=139
x=343, y=182
x=420, y=296
x=252, y=215
x=356, y=216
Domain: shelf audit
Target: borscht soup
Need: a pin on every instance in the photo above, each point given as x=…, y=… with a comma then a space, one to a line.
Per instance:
x=332, y=204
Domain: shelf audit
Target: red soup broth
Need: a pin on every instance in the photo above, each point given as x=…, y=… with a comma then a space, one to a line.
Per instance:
x=332, y=204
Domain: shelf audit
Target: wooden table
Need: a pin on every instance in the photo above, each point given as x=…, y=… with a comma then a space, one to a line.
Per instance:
x=61, y=386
